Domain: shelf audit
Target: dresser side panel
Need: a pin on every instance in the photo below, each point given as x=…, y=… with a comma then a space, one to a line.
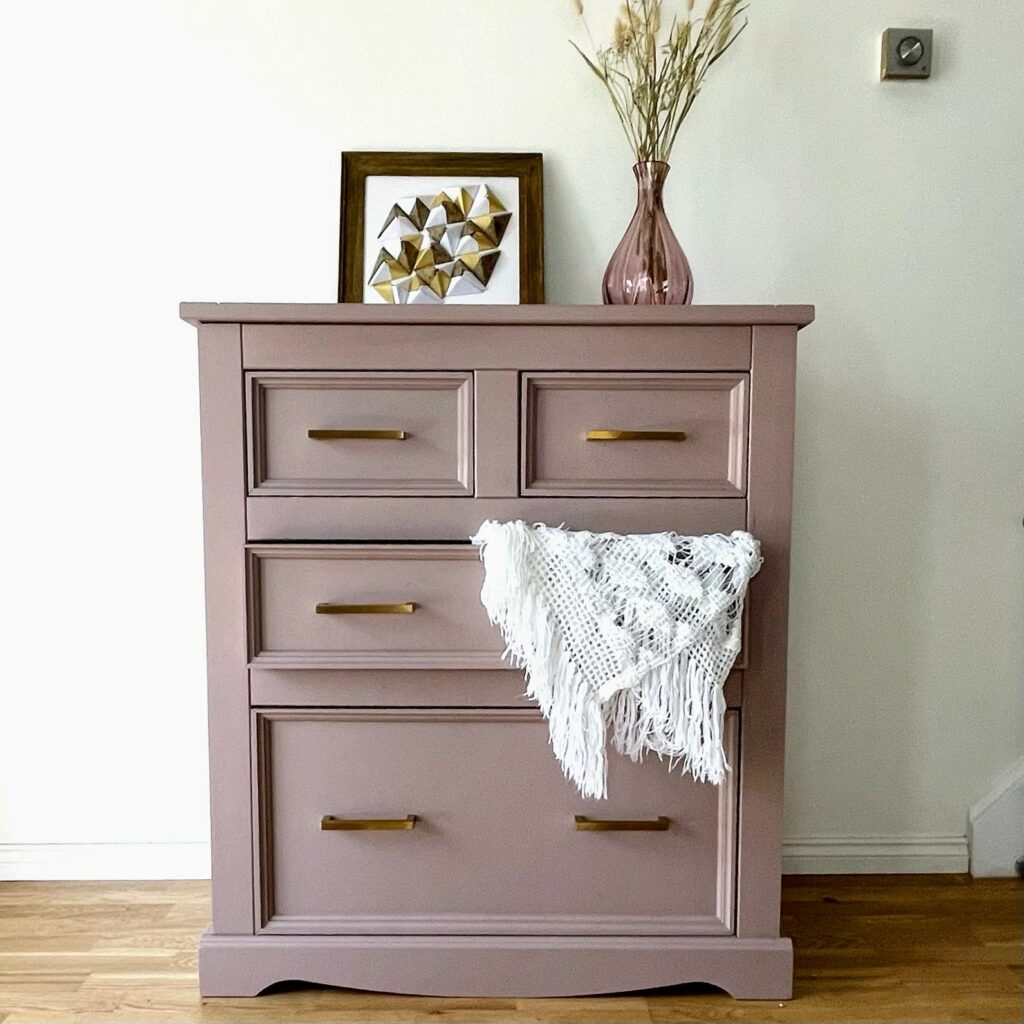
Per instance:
x=769, y=511
x=223, y=465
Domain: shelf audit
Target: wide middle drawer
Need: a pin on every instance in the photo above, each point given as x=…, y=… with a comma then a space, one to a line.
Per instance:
x=355, y=606
x=370, y=606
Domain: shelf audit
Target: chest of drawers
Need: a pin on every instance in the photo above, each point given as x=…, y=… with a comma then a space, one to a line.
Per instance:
x=386, y=811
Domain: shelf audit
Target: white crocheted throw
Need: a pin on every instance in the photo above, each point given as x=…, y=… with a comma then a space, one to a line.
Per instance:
x=633, y=634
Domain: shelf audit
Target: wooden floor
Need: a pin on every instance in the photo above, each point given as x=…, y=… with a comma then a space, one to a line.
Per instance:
x=886, y=948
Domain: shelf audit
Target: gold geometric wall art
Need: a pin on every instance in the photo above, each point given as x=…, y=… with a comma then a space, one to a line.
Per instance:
x=479, y=243
x=435, y=247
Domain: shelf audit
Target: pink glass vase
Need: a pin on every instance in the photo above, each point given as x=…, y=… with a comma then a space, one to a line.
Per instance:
x=649, y=267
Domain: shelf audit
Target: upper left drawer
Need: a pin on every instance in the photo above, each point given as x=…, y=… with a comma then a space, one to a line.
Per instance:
x=360, y=433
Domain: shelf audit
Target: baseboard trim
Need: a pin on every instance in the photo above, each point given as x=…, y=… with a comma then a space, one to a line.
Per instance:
x=801, y=855
x=33, y=862
x=869, y=855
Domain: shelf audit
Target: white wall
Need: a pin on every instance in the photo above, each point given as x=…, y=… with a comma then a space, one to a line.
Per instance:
x=189, y=150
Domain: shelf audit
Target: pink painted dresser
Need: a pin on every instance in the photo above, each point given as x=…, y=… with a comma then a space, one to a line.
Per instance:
x=386, y=811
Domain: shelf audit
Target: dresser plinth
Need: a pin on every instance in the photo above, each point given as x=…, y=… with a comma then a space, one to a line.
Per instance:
x=496, y=966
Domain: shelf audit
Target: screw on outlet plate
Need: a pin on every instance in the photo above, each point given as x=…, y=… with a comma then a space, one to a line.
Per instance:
x=906, y=53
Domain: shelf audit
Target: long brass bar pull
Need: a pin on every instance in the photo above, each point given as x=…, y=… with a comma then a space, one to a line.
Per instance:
x=658, y=824
x=329, y=823
x=318, y=434
x=636, y=435
x=327, y=608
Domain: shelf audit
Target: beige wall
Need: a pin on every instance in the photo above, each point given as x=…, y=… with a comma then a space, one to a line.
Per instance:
x=189, y=150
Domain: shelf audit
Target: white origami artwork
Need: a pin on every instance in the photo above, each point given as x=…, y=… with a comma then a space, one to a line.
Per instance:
x=438, y=246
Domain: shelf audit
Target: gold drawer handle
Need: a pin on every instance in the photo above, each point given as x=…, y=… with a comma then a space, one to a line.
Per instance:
x=326, y=608
x=329, y=823
x=659, y=824
x=636, y=435
x=318, y=434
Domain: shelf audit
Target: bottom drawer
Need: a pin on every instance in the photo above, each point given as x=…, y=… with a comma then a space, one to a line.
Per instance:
x=495, y=847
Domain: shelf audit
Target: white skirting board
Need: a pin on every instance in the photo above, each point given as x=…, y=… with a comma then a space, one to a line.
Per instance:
x=103, y=861
x=874, y=855
x=802, y=855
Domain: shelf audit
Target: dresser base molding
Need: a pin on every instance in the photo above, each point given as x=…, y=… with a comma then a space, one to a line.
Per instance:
x=524, y=967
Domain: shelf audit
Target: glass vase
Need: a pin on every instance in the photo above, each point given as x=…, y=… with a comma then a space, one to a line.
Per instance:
x=649, y=267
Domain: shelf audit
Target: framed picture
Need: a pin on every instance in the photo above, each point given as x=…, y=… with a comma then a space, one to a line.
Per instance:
x=441, y=227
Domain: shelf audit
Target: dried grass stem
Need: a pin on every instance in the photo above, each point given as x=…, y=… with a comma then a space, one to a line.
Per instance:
x=653, y=79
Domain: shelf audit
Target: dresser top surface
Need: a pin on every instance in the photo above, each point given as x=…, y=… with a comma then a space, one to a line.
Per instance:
x=525, y=315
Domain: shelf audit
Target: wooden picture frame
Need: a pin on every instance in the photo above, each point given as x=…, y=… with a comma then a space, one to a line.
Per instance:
x=527, y=168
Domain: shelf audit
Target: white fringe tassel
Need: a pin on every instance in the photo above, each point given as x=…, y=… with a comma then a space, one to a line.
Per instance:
x=670, y=705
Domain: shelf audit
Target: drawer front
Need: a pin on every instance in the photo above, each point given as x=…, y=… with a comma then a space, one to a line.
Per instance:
x=394, y=434
x=366, y=607
x=626, y=434
x=480, y=784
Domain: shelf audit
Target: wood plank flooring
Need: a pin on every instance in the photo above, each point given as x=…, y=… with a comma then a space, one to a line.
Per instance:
x=868, y=948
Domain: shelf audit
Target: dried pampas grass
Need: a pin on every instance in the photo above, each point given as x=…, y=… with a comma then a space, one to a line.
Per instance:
x=653, y=78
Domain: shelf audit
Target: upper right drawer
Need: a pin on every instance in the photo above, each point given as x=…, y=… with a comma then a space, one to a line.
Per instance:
x=633, y=434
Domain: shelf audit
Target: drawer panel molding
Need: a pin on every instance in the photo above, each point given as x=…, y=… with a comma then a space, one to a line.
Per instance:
x=479, y=784
x=634, y=434
x=435, y=590
x=398, y=434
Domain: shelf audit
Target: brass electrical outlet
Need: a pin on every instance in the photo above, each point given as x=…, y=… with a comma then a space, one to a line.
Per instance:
x=906, y=53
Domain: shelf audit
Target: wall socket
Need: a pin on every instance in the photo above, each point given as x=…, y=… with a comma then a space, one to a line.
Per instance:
x=906, y=53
